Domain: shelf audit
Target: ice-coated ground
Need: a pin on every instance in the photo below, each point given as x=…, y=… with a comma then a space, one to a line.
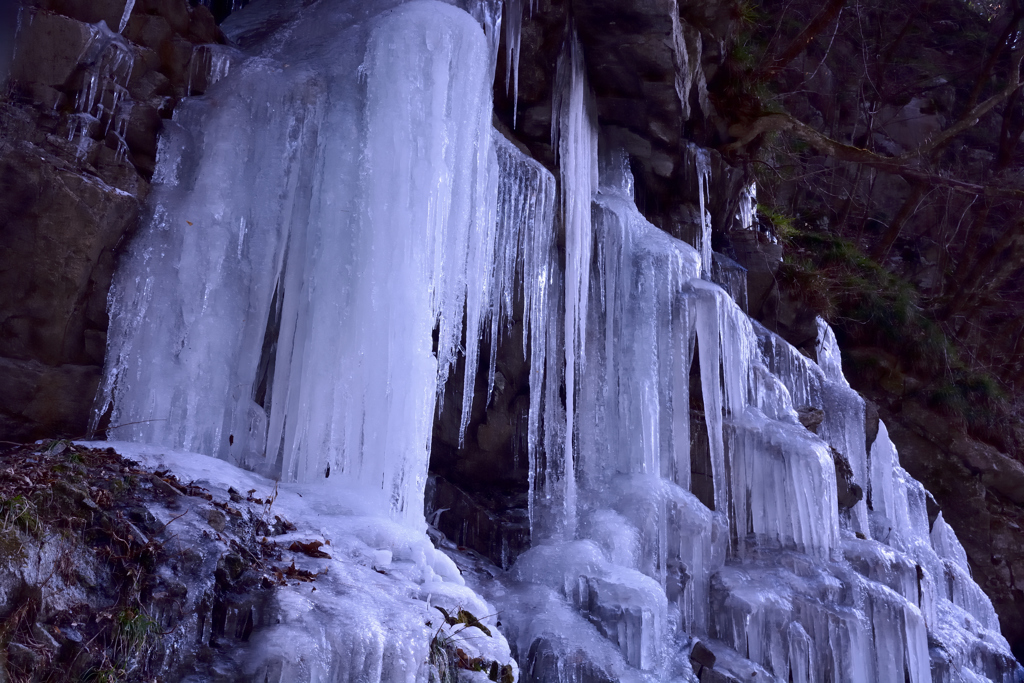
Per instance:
x=369, y=616
x=330, y=216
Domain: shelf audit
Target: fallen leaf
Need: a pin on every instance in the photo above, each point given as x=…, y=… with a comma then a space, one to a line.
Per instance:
x=310, y=548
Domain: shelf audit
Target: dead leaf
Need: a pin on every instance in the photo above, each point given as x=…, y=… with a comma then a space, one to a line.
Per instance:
x=310, y=548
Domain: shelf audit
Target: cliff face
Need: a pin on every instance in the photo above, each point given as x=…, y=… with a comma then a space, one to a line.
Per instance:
x=78, y=150
x=80, y=120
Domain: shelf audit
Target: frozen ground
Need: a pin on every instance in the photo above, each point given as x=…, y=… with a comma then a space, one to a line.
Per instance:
x=370, y=614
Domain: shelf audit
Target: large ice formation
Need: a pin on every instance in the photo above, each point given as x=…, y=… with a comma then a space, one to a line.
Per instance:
x=335, y=220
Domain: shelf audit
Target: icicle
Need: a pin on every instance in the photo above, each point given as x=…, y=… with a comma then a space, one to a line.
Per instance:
x=481, y=290
x=129, y=5
x=210, y=64
x=513, y=36
x=702, y=161
x=747, y=207
x=574, y=136
x=525, y=252
x=829, y=358
x=730, y=276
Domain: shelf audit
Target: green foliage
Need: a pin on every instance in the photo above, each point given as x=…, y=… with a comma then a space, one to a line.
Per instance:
x=973, y=395
x=134, y=631
x=18, y=513
x=749, y=13
x=782, y=224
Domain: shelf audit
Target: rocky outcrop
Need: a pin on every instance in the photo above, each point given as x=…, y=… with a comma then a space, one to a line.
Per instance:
x=477, y=494
x=78, y=142
x=94, y=587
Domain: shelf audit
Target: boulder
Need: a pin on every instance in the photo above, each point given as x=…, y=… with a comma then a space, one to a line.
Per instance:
x=49, y=47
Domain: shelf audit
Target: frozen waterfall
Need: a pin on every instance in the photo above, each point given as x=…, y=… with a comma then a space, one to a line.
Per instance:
x=334, y=221
x=279, y=310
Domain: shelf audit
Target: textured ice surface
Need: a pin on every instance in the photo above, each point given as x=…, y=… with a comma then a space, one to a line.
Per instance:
x=313, y=223
x=334, y=221
x=574, y=136
x=102, y=105
x=785, y=583
x=367, y=618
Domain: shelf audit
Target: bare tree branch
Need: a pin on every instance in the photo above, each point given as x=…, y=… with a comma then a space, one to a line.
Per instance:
x=800, y=43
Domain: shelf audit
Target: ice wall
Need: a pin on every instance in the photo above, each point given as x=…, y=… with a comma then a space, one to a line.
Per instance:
x=677, y=386
x=334, y=221
x=317, y=217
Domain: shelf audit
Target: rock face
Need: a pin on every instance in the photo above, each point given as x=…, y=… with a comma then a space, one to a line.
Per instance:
x=78, y=142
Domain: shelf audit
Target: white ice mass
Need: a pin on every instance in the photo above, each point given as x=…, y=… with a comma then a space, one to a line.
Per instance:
x=334, y=221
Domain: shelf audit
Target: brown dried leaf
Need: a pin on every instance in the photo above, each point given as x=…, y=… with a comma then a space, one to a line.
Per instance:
x=310, y=548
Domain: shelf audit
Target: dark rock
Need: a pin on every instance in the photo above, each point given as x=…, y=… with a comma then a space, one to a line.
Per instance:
x=57, y=223
x=151, y=85
x=141, y=516
x=810, y=417
x=762, y=260
x=500, y=534
x=49, y=48
x=216, y=520
x=202, y=28
x=90, y=11
x=176, y=12
x=791, y=319
x=38, y=400
x=543, y=664
x=175, y=55
x=702, y=482
x=870, y=423
x=144, y=124
x=163, y=487
x=148, y=30
x=702, y=656
x=848, y=492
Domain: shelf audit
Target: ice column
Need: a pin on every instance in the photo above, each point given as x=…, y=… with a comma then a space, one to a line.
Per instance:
x=513, y=36
x=190, y=302
x=633, y=415
x=421, y=233
x=574, y=136
x=702, y=160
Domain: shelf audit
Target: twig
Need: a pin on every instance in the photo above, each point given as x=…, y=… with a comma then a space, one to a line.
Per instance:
x=137, y=422
x=173, y=519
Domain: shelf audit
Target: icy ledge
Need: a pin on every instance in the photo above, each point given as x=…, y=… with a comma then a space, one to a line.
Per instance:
x=370, y=615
